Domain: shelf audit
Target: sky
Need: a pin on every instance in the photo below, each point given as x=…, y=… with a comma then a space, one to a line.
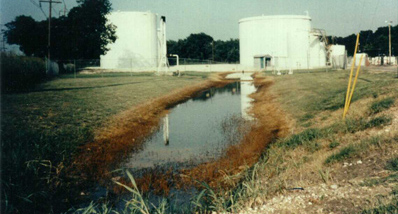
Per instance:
x=219, y=18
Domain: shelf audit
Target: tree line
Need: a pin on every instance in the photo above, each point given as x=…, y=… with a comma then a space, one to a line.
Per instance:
x=372, y=43
x=82, y=34
x=203, y=47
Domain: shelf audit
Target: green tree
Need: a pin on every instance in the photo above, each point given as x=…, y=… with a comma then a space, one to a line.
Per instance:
x=28, y=34
x=89, y=30
x=83, y=34
x=226, y=51
x=200, y=46
x=372, y=43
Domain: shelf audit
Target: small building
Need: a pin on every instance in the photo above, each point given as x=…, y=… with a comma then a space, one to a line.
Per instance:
x=262, y=61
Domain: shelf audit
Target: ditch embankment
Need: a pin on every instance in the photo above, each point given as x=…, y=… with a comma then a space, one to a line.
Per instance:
x=98, y=161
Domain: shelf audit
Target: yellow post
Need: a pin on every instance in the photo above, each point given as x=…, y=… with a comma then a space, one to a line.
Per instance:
x=351, y=72
x=353, y=87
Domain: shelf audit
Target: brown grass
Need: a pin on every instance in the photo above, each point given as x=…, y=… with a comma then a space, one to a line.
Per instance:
x=127, y=131
x=270, y=124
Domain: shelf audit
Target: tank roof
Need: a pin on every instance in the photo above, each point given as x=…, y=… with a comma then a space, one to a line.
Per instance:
x=274, y=17
x=130, y=12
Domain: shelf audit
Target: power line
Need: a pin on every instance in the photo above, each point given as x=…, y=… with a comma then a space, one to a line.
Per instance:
x=38, y=6
x=65, y=7
x=361, y=16
x=374, y=14
x=51, y=2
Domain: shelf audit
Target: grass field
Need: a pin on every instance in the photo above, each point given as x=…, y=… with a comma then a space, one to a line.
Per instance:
x=323, y=149
x=312, y=154
x=42, y=129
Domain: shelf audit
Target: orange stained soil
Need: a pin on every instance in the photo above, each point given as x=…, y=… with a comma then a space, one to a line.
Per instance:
x=128, y=130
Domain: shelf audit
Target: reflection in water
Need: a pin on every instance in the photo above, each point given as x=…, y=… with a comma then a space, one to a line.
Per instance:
x=197, y=131
x=247, y=88
x=166, y=130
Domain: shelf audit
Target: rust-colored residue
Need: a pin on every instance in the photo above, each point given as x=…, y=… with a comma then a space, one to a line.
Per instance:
x=127, y=131
x=98, y=158
x=270, y=124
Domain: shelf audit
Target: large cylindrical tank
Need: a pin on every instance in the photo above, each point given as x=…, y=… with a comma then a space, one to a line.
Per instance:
x=136, y=45
x=338, y=56
x=286, y=38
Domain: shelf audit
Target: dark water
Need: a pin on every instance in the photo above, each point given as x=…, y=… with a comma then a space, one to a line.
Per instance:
x=199, y=130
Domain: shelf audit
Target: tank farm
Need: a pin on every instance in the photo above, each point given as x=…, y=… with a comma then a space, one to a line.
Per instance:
x=202, y=133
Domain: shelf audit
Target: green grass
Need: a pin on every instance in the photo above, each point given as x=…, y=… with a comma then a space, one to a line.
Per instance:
x=334, y=144
x=41, y=129
x=302, y=138
x=21, y=73
x=381, y=105
x=307, y=117
x=388, y=208
x=320, y=91
x=379, y=121
x=392, y=164
x=345, y=153
x=44, y=128
x=391, y=207
x=355, y=125
x=393, y=178
x=355, y=149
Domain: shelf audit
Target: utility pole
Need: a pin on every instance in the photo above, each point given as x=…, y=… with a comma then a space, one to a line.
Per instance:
x=51, y=2
x=3, y=48
x=212, y=50
x=389, y=41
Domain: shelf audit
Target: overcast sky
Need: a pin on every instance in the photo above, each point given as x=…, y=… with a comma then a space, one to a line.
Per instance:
x=219, y=18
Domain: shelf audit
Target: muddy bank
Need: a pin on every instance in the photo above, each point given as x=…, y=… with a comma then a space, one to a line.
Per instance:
x=114, y=143
x=270, y=124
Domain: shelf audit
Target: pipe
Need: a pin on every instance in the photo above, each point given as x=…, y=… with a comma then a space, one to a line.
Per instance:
x=166, y=130
x=178, y=59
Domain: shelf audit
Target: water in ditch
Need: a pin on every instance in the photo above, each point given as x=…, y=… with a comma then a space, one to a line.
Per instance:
x=198, y=130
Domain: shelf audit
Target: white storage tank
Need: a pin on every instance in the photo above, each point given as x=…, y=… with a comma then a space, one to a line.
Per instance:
x=288, y=39
x=136, y=45
x=365, y=60
x=338, y=56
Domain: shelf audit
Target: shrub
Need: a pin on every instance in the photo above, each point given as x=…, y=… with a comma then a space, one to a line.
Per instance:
x=20, y=73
